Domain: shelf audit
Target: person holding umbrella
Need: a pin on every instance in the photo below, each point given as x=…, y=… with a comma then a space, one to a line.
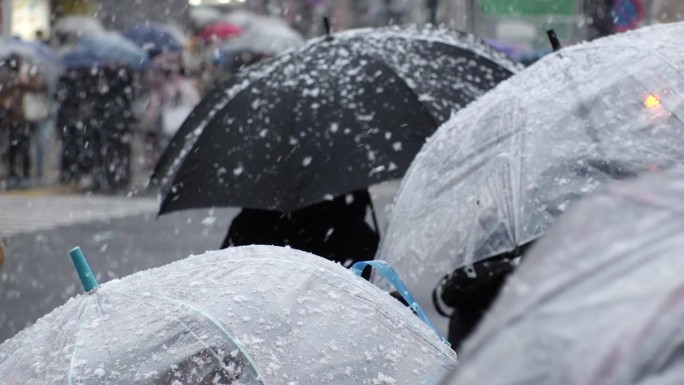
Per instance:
x=17, y=82
x=2, y=254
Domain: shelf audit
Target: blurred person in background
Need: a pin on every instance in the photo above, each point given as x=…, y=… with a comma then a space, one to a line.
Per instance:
x=114, y=109
x=40, y=115
x=600, y=18
x=2, y=254
x=75, y=117
x=172, y=96
x=18, y=79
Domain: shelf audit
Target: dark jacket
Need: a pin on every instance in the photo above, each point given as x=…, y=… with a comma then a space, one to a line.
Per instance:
x=336, y=229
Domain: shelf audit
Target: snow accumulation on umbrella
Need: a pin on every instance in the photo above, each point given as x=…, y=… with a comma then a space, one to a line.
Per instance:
x=598, y=300
x=501, y=170
x=380, y=90
x=248, y=315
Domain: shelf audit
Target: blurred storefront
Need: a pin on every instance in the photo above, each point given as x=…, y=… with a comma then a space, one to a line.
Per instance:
x=667, y=11
x=72, y=7
x=23, y=18
x=525, y=22
x=119, y=14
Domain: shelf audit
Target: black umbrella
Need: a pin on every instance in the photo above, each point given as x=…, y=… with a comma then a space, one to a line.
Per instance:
x=341, y=113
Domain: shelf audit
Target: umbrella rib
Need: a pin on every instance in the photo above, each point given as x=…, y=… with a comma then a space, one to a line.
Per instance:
x=203, y=314
x=381, y=62
x=26, y=346
x=78, y=332
x=169, y=173
x=489, y=53
x=190, y=135
x=477, y=46
x=288, y=264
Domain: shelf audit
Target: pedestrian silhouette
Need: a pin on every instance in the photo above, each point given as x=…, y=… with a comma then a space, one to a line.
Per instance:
x=336, y=230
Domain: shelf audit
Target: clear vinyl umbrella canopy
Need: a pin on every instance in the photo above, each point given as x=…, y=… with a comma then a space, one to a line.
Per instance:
x=266, y=39
x=598, y=300
x=498, y=173
x=250, y=315
x=78, y=25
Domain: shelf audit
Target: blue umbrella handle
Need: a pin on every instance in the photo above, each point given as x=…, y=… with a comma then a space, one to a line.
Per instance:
x=83, y=269
x=391, y=275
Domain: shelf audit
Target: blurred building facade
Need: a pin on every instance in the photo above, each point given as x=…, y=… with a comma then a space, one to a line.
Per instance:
x=24, y=17
x=514, y=21
x=118, y=14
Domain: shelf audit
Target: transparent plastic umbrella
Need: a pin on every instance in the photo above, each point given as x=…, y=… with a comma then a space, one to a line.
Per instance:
x=598, y=300
x=113, y=47
x=78, y=25
x=247, y=19
x=270, y=39
x=249, y=315
x=202, y=15
x=38, y=54
x=502, y=169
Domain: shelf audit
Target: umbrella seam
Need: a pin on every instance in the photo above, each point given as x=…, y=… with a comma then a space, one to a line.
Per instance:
x=199, y=311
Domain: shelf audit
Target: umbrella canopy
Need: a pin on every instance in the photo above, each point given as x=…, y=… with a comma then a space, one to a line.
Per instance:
x=250, y=315
x=598, y=300
x=496, y=175
x=78, y=25
x=154, y=37
x=43, y=57
x=247, y=19
x=80, y=58
x=233, y=60
x=201, y=16
x=337, y=115
x=113, y=48
x=263, y=34
x=219, y=31
x=266, y=38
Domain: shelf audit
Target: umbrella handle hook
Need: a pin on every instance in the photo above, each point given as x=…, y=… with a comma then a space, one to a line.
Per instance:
x=387, y=271
x=553, y=40
x=83, y=269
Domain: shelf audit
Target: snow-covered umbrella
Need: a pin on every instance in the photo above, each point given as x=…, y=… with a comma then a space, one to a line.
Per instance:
x=114, y=48
x=250, y=315
x=247, y=19
x=598, y=300
x=219, y=31
x=341, y=113
x=203, y=15
x=36, y=53
x=501, y=170
x=157, y=38
x=266, y=38
x=78, y=25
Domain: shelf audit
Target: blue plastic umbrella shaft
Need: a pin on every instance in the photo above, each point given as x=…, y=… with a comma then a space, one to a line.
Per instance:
x=83, y=269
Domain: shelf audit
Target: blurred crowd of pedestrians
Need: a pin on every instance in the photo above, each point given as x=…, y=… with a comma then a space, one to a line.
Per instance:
x=70, y=105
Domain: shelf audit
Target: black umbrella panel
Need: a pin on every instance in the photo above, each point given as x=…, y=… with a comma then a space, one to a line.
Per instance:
x=339, y=114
